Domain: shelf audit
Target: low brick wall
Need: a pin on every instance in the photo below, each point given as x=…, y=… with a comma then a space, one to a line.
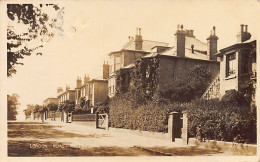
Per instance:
x=142, y=133
x=84, y=117
x=235, y=148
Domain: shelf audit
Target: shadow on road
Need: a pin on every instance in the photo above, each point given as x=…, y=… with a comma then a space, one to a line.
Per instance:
x=185, y=151
x=50, y=148
x=41, y=131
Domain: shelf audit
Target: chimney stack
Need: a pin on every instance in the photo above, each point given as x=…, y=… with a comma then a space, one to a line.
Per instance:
x=86, y=79
x=105, y=70
x=212, y=42
x=67, y=87
x=59, y=90
x=180, y=42
x=138, y=39
x=243, y=35
x=79, y=82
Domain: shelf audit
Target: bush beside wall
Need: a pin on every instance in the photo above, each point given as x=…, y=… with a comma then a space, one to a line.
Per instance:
x=225, y=120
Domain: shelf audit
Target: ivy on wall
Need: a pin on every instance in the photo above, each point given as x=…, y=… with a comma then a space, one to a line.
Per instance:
x=141, y=80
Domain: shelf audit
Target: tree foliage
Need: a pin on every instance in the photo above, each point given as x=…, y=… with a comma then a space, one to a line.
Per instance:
x=12, y=103
x=68, y=106
x=52, y=107
x=29, y=109
x=38, y=27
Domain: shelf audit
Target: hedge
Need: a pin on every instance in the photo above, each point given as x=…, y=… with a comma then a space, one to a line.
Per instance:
x=150, y=117
x=225, y=120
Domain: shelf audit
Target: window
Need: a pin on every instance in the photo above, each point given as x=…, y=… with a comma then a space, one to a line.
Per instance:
x=117, y=63
x=230, y=68
x=111, y=64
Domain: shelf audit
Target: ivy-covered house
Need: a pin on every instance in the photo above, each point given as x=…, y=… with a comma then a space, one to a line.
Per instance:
x=157, y=69
x=237, y=68
x=134, y=49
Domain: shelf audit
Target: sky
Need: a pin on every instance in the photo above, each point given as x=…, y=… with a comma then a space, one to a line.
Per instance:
x=92, y=29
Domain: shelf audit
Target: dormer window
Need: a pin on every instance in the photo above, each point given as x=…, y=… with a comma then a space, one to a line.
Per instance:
x=230, y=68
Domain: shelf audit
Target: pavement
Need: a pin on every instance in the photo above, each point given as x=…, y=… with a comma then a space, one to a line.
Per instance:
x=103, y=137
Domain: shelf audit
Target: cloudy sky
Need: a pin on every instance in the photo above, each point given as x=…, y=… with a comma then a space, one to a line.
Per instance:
x=92, y=29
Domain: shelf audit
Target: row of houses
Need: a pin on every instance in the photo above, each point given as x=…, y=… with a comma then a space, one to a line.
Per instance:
x=233, y=67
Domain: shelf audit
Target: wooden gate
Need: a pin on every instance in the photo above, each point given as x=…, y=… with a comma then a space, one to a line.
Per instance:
x=102, y=121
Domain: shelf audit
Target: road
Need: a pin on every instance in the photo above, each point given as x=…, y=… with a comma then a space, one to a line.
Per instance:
x=83, y=139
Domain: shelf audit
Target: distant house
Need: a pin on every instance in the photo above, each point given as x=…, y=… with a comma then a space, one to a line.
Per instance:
x=169, y=63
x=93, y=91
x=81, y=90
x=46, y=103
x=237, y=67
x=66, y=96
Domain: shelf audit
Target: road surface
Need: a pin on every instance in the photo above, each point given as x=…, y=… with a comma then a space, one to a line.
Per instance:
x=83, y=139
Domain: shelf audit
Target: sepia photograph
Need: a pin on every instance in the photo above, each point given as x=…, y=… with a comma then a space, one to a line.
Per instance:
x=149, y=80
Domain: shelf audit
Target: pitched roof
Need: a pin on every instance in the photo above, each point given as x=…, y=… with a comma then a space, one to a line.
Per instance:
x=198, y=45
x=146, y=46
x=237, y=45
x=200, y=49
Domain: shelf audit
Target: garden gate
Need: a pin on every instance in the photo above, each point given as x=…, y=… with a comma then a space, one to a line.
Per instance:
x=102, y=121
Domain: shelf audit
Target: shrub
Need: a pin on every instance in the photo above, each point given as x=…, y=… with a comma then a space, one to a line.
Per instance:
x=221, y=120
x=150, y=117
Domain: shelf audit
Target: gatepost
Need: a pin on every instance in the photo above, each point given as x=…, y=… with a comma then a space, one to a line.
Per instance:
x=69, y=117
x=106, y=122
x=97, y=119
x=174, y=125
x=184, y=134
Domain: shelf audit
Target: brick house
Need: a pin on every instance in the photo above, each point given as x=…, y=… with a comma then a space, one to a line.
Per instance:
x=46, y=103
x=171, y=63
x=66, y=96
x=135, y=48
x=93, y=91
x=237, y=67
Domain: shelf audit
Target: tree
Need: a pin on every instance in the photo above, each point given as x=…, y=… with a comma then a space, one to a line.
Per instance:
x=29, y=110
x=12, y=103
x=68, y=106
x=37, y=108
x=52, y=107
x=37, y=26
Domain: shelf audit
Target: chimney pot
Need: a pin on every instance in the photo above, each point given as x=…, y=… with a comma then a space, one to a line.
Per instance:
x=246, y=28
x=242, y=28
x=191, y=32
x=178, y=26
x=140, y=31
x=181, y=27
x=214, y=30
